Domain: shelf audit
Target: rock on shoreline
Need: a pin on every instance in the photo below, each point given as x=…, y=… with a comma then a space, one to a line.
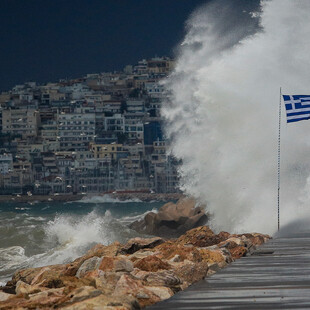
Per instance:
x=130, y=276
x=172, y=219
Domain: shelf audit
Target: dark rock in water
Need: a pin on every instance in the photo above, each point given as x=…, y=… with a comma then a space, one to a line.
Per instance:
x=172, y=220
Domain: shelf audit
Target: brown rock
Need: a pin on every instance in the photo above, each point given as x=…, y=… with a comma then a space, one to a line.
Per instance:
x=238, y=251
x=136, y=244
x=233, y=242
x=79, y=294
x=165, y=278
x=46, y=300
x=34, y=276
x=140, y=254
x=256, y=239
x=105, y=302
x=172, y=219
x=190, y=272
x=104, y=250
x=202, y=237
x=88, y=265
x=151, y=263
x=213, y=256
x=119, y=263
x=25, y=289
x=106, y=281
x=98, y=250
x=5, y=296
x=170, y=249
x=162, y=292
x=127, y=285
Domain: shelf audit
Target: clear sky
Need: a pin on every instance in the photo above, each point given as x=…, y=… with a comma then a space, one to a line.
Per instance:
x=45, y=40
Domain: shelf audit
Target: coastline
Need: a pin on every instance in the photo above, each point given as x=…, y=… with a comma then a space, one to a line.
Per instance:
x=128, y=276
x=145, y=197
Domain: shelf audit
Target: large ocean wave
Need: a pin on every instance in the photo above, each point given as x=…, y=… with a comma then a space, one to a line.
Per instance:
x=222, y=114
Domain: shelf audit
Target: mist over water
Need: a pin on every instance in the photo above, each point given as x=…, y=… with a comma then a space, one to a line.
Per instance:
x=222, y=112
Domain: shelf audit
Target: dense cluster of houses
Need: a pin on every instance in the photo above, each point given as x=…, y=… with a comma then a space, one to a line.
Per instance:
x=98, y=133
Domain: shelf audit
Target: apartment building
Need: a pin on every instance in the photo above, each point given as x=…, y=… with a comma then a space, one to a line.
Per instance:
x=24, y=122
x=76, y=130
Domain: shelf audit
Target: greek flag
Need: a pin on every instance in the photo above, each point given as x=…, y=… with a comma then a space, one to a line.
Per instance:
x=297, y=107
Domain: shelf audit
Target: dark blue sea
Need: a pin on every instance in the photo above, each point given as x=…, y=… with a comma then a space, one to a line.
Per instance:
x=38, y=234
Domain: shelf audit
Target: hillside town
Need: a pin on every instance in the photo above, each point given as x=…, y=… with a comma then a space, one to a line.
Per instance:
x=96, y=134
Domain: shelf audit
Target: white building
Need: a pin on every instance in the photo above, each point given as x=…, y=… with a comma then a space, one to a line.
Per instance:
x=76, y=130
x=154, y=89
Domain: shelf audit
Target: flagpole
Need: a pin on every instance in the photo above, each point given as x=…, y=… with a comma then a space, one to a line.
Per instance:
x=279, y=158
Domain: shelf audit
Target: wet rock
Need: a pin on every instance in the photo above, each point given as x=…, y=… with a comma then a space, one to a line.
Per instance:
x=136, y=244
x=172, y=219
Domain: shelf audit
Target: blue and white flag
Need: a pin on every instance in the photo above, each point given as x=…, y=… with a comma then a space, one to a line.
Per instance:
x=297, y=107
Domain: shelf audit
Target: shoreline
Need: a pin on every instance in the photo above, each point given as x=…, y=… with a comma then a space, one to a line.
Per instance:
x=129, y=276
x=144, y=197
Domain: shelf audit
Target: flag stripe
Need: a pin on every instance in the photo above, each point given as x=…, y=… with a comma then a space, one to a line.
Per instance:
x=298, y=116
x=297, y=113
x=297, y=119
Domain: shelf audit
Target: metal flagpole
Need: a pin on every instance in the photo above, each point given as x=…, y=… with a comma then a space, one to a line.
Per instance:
x=279, y=157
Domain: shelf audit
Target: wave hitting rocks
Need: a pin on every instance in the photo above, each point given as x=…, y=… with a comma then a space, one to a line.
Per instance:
x=130, y=276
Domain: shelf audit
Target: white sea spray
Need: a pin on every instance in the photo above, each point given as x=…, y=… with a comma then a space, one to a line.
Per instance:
x=222, y=115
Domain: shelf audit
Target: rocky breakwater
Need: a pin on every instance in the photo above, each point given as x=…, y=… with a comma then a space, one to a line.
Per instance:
x=127, y=276
x=172, y=219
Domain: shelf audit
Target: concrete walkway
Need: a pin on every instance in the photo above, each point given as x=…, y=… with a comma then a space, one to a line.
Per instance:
x=277, y=276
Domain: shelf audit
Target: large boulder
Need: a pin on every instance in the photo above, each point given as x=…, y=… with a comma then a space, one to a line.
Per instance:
x=172, y=219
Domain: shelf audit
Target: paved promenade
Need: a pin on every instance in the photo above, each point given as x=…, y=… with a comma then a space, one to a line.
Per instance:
x=277, y=276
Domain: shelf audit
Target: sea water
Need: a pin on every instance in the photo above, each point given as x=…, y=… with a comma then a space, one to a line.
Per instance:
x=43, y=233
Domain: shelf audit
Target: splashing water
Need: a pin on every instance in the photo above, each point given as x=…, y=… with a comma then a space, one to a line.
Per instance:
x=222, y=112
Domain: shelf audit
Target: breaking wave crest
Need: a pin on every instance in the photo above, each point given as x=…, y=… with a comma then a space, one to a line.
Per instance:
x=65, y=238
x=107, y=199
